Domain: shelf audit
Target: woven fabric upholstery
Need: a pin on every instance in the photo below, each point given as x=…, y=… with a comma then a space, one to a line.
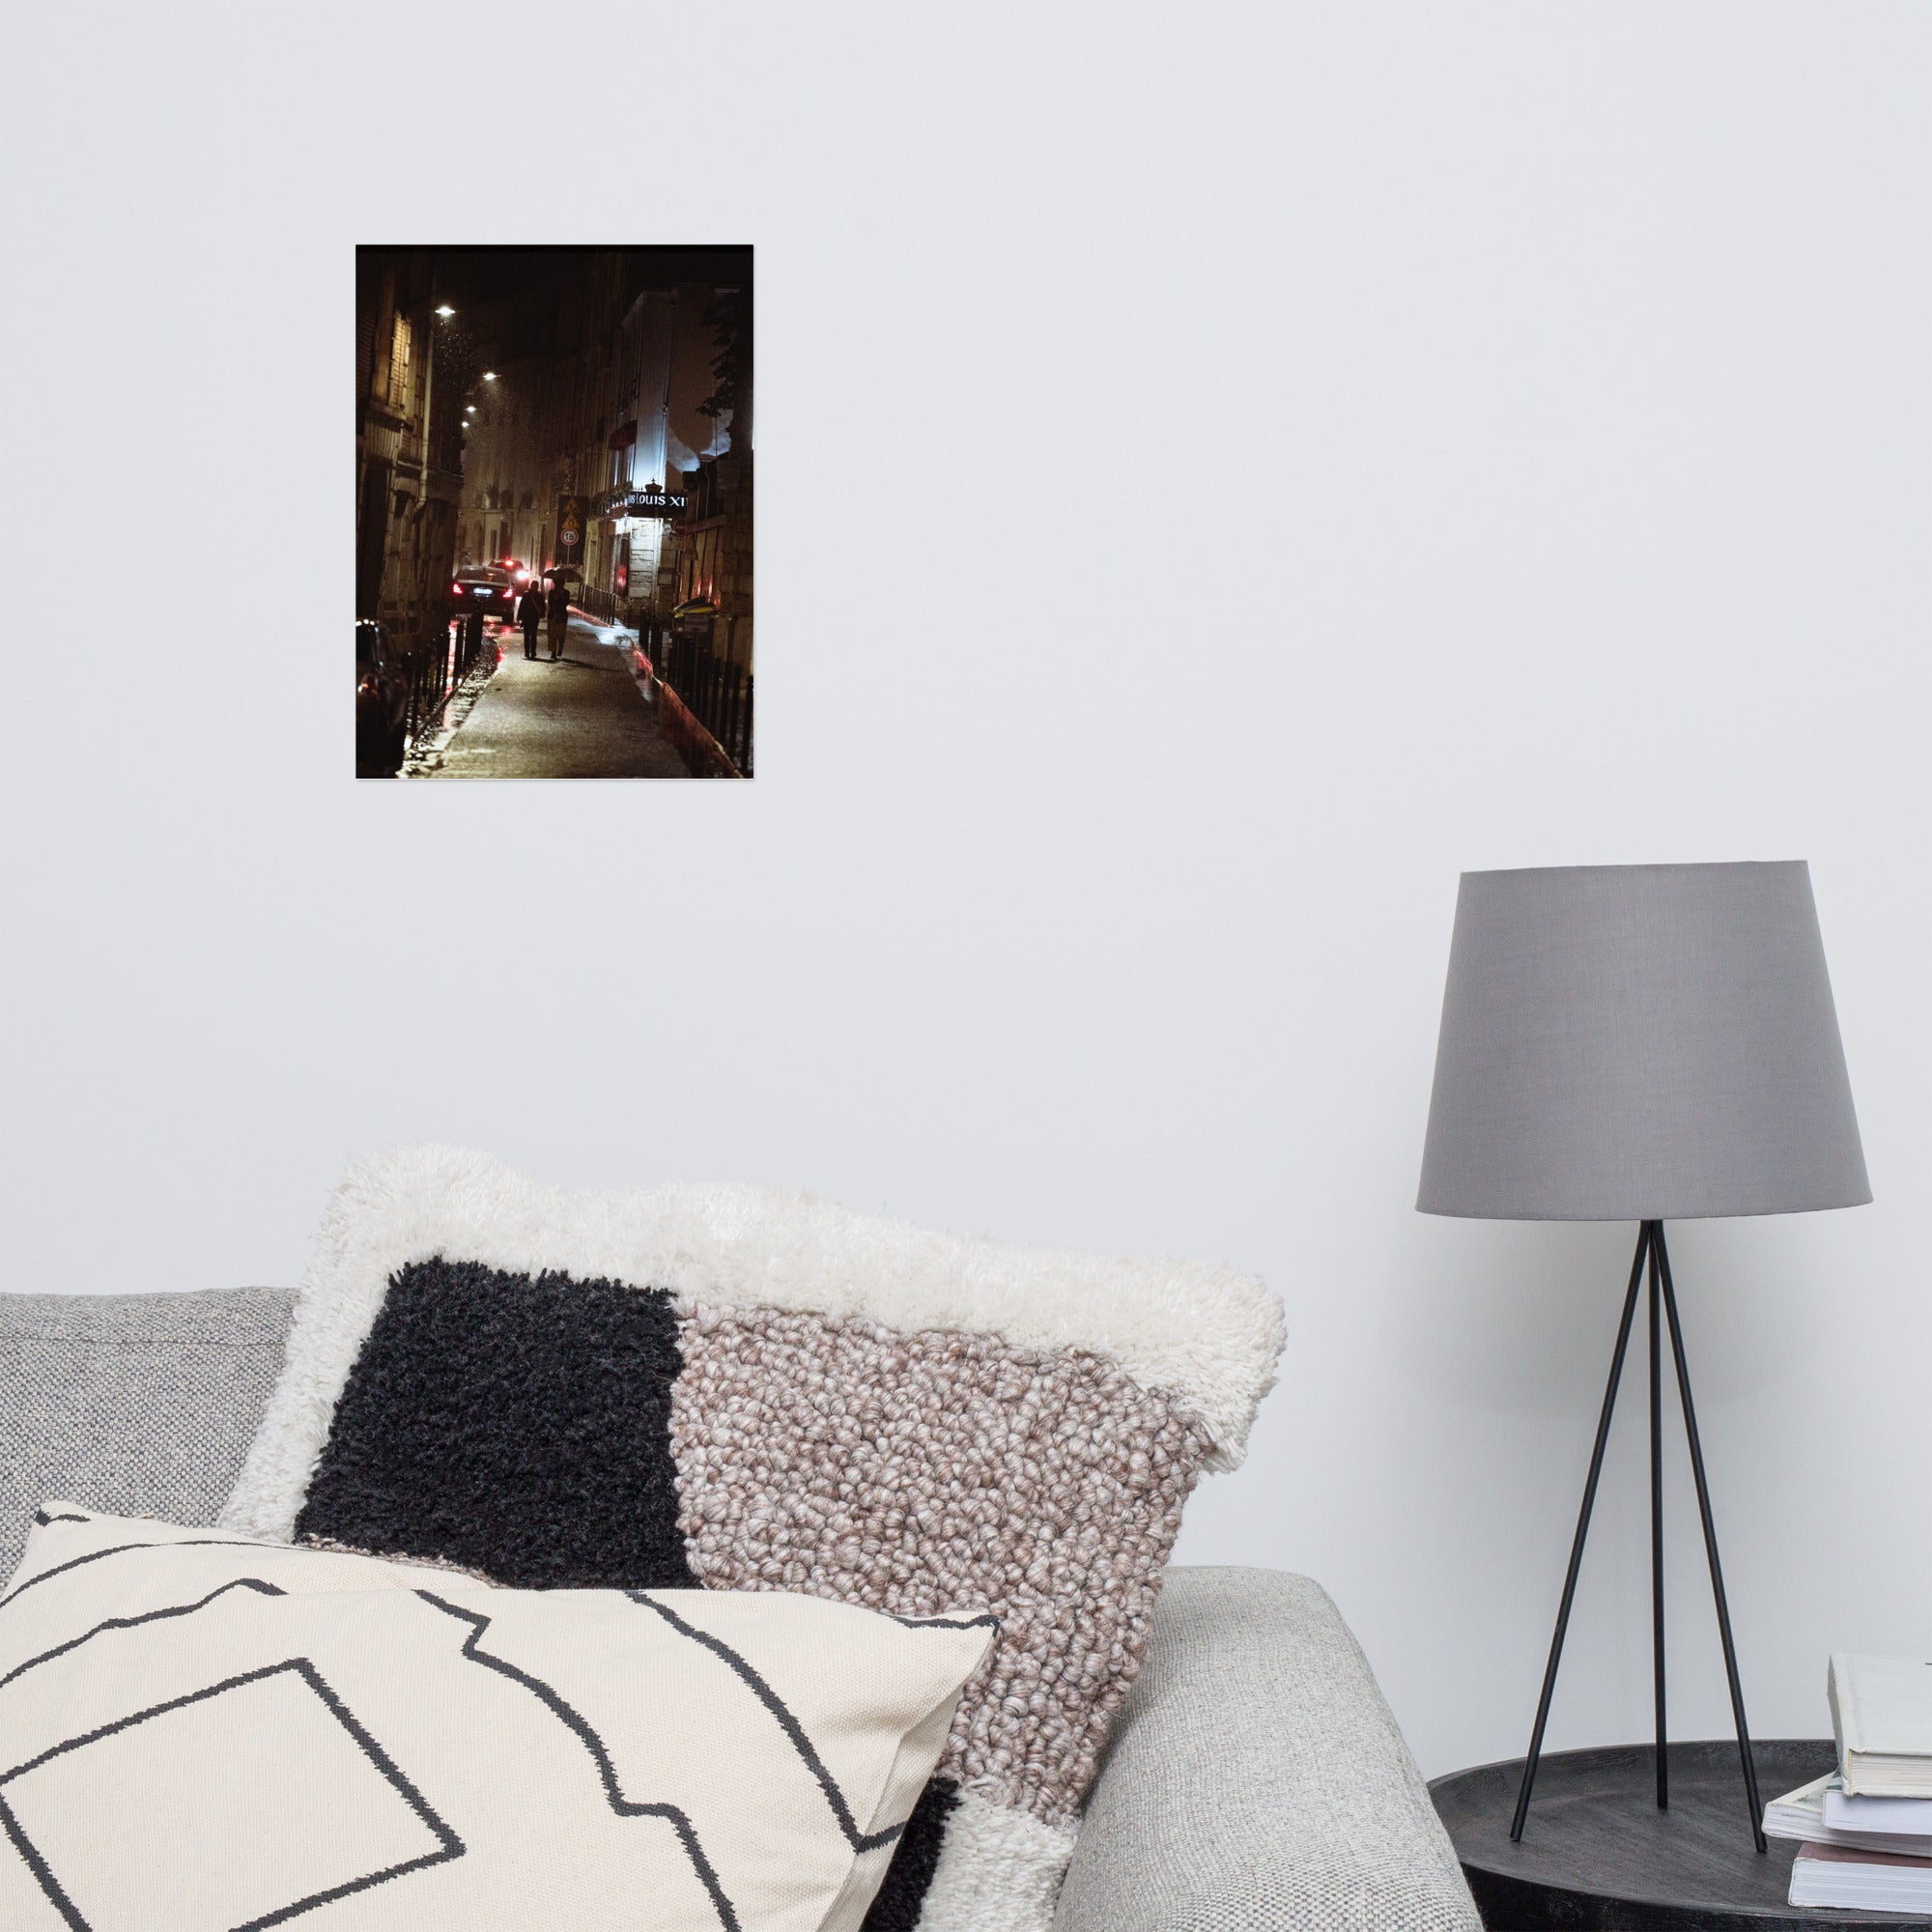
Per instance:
x=1256, y=1781
x=138, y=1405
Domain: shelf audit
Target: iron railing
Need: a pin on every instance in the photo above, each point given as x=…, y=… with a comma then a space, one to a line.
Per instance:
x=435, y=668
x=716, y=692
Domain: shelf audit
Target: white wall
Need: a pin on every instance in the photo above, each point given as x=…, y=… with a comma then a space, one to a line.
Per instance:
x=1545, y=437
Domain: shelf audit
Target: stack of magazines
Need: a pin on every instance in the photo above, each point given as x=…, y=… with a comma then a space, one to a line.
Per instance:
x=1865, y=1829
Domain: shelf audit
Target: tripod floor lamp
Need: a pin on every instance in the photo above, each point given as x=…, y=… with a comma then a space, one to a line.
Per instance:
x=1641, y=1043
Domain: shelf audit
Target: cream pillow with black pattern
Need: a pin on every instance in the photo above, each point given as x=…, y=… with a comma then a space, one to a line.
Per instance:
x=202, y=1733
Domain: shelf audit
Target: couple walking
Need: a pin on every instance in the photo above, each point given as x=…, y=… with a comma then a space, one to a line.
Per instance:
x=535, y=607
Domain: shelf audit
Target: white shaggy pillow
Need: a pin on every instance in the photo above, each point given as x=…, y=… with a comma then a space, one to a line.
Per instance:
x=201, y=1732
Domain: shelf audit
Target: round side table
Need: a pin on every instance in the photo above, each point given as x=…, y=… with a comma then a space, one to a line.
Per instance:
x=1598, y=1856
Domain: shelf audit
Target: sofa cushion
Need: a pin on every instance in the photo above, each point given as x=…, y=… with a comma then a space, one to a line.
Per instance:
x=1257, y=1779
x=141, y=1405
x=203, y=1731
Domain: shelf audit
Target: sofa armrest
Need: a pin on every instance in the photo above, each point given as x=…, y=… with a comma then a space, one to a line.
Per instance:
x=1257, y=1780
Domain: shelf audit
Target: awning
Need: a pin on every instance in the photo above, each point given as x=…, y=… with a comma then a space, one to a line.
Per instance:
x=624, y=439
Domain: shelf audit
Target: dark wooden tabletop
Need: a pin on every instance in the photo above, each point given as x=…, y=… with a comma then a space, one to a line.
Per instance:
x=1598, y=1856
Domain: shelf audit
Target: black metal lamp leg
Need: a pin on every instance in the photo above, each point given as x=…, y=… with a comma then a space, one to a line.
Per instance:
x=1709, y=1541
x=1643, y=1242
x=1656, y=1517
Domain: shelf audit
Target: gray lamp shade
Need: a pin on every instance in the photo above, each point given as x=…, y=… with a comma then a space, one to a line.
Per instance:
x=1640, y=1043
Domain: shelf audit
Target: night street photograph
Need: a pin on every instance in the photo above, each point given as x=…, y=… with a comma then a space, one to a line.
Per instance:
x=554, y=513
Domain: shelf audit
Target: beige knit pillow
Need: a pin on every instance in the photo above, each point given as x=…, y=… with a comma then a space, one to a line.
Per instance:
x=200, y=1733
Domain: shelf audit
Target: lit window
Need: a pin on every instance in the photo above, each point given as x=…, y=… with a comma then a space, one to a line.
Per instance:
x=399, y=363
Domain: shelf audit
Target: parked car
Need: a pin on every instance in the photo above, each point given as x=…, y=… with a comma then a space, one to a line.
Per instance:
x=482, y=587
x=381, y=703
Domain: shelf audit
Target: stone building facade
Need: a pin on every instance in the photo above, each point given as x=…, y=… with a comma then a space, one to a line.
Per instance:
x=703, y=579
x=711, y=587
x=410, y=376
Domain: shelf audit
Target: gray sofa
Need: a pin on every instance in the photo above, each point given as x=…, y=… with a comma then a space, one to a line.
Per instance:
x=1256, y=1778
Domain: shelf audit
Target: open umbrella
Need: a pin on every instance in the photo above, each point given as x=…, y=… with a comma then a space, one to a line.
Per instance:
x=558, y=571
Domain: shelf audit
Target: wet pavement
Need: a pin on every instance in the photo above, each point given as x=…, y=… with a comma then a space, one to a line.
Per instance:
x=583, y=717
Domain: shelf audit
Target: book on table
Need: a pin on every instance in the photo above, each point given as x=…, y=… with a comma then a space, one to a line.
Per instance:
x=1882, y=1718
x=1820, y=1813
x=1903, y=1818
x=1859, y=1881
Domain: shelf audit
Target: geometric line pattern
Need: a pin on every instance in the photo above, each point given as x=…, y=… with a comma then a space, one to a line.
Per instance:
x=254, y=1583
x=575, y=1721
x=121, y=1549
x=449, y=1845
x=860, y=1841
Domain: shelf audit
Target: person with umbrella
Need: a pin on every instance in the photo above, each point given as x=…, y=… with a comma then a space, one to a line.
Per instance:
x=530, y=615
x=560, y=616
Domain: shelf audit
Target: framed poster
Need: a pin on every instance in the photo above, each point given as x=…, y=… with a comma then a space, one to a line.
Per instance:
x=554, y=512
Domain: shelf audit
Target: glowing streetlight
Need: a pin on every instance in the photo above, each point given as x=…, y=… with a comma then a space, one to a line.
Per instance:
x=470, y=409
x=489, y=375
x=444, y=310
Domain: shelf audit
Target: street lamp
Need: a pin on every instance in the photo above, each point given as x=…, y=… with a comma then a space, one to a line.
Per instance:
x=489, y=375
x=444, y=310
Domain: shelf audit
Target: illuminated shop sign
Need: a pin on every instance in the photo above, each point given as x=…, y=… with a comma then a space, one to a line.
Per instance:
x=647, y=503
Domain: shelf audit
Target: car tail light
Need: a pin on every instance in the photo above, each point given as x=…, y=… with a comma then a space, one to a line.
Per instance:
x=457, y=588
